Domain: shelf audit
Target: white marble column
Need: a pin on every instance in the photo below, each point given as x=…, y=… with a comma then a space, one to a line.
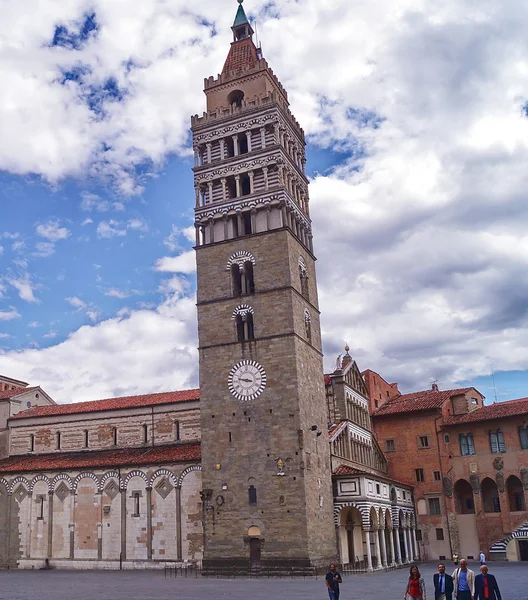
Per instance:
x=222, y=149
x=377, y=547
x=383, y=546
x=391, y=542
x=249, y=140
x=369, y=551
x=263, y=137
x=235, y=145
x=266, y=182
x=406, y=545
x=209, y=146
x=251, y=175
x=223, y=181
x=238, y=190
x=210, y=186
x=398, y=547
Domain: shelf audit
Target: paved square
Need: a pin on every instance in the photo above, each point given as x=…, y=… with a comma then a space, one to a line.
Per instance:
x=151, y=585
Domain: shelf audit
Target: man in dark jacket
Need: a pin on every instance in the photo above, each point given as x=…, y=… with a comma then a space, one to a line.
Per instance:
x=443, y=584
x=486, y=587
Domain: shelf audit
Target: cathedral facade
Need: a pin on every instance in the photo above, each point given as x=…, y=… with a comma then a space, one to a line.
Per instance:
x=270, y=464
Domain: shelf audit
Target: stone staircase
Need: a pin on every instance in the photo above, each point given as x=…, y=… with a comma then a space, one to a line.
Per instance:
x=498, y=549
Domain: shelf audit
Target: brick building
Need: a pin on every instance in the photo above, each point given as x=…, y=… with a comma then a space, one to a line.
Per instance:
x=467, y=463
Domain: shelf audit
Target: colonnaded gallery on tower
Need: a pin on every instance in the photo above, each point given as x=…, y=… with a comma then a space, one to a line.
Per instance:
x=270, y=464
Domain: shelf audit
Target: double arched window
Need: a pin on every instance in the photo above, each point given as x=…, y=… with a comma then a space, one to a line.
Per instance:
x=241, y=266
x=467, y=445
x=243, y=317
x=497, y=443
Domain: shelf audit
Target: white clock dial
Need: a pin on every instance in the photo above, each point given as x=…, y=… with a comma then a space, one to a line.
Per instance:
x=247, y=380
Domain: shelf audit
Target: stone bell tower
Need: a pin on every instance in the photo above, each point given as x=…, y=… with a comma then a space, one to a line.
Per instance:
x=265, y=455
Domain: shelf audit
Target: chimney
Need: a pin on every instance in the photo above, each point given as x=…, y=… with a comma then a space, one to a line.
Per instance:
x=434, y=387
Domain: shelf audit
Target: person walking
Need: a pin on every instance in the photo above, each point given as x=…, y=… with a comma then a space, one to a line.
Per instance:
x=486, y=587
x=443, y=584
x=482, y=558
x=464, y=582
x=333, y=579
x=415, y=585
x=455, y=559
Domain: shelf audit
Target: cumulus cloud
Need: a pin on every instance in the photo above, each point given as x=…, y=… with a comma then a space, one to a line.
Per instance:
x=44, y=249
x=8, y=315
x=52, y=231
x=183, y=263
x=25, y=288
x=156, y=349
x=109, y=229
x=90, y=310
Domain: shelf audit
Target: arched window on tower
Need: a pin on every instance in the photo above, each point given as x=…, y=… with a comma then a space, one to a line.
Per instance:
x=252, y=493
x=235, y=98
x=243, y=317
x=240, y=265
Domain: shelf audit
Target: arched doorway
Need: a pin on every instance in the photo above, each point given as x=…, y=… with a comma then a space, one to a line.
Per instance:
x=515, y=494
x=351, y=536
x=490, y=496
x=465, y=504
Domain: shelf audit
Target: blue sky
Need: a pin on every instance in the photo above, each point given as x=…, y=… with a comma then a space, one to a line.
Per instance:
x=414, y=114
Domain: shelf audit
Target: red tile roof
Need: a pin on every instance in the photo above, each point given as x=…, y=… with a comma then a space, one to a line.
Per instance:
x=327, y=379
x=109, y=404
x=500, y=410
x=104, y=458
x=347, y=470
x=12, y=393
x=417, y=401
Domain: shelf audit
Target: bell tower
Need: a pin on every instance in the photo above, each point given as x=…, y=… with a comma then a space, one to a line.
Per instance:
x=266, y=471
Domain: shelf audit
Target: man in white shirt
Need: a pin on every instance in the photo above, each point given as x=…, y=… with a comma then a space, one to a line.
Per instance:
x=482, y=558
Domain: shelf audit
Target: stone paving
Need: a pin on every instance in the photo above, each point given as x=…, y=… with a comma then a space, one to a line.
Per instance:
x=152, y=585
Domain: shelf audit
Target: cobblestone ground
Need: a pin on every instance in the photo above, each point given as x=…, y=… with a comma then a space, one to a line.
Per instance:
x=151, y=585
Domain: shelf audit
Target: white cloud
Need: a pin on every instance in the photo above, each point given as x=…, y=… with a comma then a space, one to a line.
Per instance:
x=89, y=309
x=116, y=293
x=10, y=236
x=138, y=225
x=86, y=222
x=44, y=249
x=33, y=324
x=24, y=286
x=183, y=263
x=52, y=231
x=1, y=250
x=94, y=202
x=4, y=336
x=51, y=334
x=83, y=367
x=18, y=246
x=8, y=315
x=109, y=229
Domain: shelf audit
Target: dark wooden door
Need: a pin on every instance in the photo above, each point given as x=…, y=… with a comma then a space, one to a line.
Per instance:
x=254, y=552
x=523, y=549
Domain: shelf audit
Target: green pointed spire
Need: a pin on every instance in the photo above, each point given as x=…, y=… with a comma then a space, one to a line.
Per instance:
x=241, y=18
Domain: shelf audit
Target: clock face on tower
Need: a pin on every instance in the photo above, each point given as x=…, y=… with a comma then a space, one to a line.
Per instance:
x=247, y=380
